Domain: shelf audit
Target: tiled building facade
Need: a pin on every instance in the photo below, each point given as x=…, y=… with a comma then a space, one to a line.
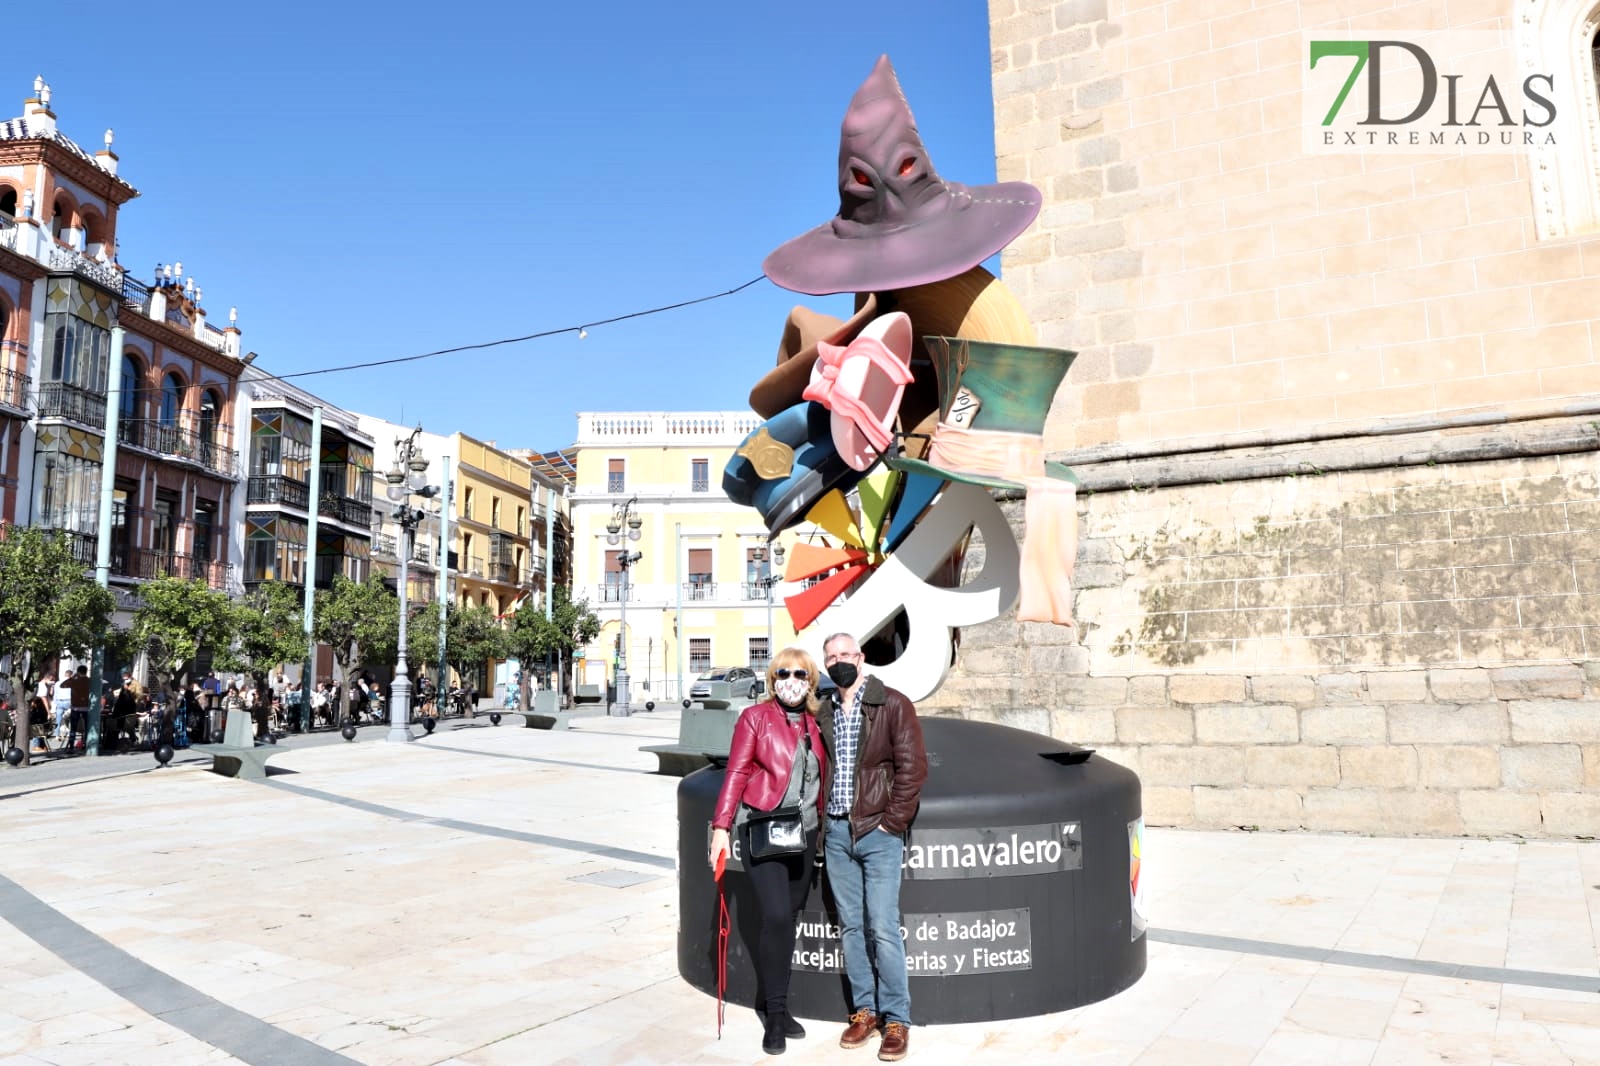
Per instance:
x=1335, y=417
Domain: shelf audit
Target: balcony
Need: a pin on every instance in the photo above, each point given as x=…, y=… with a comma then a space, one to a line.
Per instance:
x=274, y=488
x=14, y=390
x=753, y=590
x=506, y=573
x=176, y=442
x=60, y=400
x=615, y=594
x=149, y=563
x=105, y=275
x=699, y=590
x=472, y=566
x=385, y=546
x=344, y=509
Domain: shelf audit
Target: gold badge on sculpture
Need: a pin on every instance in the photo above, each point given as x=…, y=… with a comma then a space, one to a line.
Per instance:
x=771, y=459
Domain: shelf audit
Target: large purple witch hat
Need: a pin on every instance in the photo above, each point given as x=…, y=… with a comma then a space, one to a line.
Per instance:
x=899, y=223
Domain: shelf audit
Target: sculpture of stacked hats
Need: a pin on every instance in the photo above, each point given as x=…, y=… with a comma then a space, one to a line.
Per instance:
x=886, y=430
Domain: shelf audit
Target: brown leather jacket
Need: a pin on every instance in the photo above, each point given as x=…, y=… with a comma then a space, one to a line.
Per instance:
x=891, y=763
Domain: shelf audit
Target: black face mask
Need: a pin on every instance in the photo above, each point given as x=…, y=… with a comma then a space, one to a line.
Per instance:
x=843, y=674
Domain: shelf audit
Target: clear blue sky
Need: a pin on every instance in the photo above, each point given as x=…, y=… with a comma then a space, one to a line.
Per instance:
x=413, y=177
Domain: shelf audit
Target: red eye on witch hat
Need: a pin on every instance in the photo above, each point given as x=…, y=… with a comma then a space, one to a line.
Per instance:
x=899, y=224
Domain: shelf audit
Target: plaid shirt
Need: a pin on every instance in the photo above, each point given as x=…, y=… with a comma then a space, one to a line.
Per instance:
x=846, y=734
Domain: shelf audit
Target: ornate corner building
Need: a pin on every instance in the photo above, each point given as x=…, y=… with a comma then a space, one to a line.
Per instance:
x=75, y=327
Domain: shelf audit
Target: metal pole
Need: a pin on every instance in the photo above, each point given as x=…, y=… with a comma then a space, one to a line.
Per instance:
x=622, y=640
x=400, y=691
x=102, y=547
x=677, y=573
x=550, y=580
x=309, y=593
x=442, y=687
x=769, y=604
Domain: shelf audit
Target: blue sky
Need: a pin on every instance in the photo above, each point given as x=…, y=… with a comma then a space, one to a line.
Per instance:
x=367, y=181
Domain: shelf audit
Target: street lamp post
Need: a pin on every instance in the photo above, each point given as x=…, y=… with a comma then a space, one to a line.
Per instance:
x=407, y=478
x=767, y=581
x=623, y=527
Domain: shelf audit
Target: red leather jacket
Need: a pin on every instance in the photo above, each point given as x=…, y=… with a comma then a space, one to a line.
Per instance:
x=760, y=757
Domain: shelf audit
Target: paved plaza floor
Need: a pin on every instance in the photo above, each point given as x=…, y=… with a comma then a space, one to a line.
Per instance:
x=508, y=896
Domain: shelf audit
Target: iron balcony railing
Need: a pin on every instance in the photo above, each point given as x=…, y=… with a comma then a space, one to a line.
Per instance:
x=617, y=483
x=102, y=274
x=148, y=563
x=14, y=389
x=754, y=590
x=615, y=594
x=699, y=590
x=57, y=399
x=384, y=545
x=135, y=293
x=700, y=484
x=8, y=233
x=82, y=546
x=343, y=508
x=506, y=573
x=474, y=566
x=275, y=488
x=179, y=443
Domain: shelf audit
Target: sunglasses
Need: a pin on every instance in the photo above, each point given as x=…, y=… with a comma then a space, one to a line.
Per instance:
x=783, y=673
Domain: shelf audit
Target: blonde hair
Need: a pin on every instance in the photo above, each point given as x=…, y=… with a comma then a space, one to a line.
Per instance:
x=795, y=659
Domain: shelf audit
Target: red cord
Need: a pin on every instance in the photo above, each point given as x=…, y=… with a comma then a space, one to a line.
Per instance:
x=722, y=955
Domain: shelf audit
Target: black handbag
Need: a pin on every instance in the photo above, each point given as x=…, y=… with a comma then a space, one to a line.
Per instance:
x=776, y=832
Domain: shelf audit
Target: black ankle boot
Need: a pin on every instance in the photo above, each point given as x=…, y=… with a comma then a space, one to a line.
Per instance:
x=791, y=1028
x=774, y=1043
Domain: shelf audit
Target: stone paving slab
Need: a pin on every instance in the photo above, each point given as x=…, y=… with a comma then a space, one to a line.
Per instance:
x=489, y=896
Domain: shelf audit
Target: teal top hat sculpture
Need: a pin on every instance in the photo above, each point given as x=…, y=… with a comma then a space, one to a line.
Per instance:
x=994, y=399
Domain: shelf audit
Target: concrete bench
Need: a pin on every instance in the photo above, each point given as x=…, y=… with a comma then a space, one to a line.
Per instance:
x=247, y=764
x=547, y=713
x=721, y=696
x=588, y=694
x=703, y=733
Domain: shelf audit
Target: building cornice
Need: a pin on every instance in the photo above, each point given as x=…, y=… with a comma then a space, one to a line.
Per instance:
x=20, y=266
x=68, y=165
x=179, y=341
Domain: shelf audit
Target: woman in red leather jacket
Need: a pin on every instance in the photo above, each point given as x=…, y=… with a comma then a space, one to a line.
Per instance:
x=772, y=742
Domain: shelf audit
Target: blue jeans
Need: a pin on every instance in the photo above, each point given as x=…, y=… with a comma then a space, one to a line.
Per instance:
x=865, y=878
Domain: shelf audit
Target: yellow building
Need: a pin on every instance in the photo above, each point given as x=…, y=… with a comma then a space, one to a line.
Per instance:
x=500, y=524
x=698, y=595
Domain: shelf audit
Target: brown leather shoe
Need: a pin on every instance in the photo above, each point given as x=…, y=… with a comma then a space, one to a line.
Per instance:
x=896, y=1037
x=863, y=1026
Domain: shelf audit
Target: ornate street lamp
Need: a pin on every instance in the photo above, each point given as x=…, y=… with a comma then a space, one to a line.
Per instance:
x=407, y=478
x=768, y=579
x=623, y=527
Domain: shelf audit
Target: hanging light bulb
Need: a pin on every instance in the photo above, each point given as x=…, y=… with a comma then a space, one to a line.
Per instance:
x=583, y=334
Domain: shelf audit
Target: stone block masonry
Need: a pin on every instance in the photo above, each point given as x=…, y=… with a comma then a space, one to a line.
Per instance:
x=1413, y=680
x=1336, y=419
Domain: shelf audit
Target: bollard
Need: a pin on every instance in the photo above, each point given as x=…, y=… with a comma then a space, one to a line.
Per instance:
x=349, y=730
x=494, y=717
x=14, y=755
x=163, y=755
x=427, y=726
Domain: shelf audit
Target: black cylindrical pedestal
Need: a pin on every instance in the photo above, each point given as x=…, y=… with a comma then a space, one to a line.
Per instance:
x=1019, y=891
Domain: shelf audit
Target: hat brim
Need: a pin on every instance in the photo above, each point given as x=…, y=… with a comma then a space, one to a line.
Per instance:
x=1053, y=470
x=982, y=220
x=781, y=387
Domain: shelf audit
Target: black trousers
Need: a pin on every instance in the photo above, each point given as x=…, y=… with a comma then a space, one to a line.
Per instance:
x=781, y=886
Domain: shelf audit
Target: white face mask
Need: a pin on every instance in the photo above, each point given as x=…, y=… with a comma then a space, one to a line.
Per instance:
x=791, y=691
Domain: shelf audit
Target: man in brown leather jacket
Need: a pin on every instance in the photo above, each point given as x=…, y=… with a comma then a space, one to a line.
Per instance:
x=876, y=767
